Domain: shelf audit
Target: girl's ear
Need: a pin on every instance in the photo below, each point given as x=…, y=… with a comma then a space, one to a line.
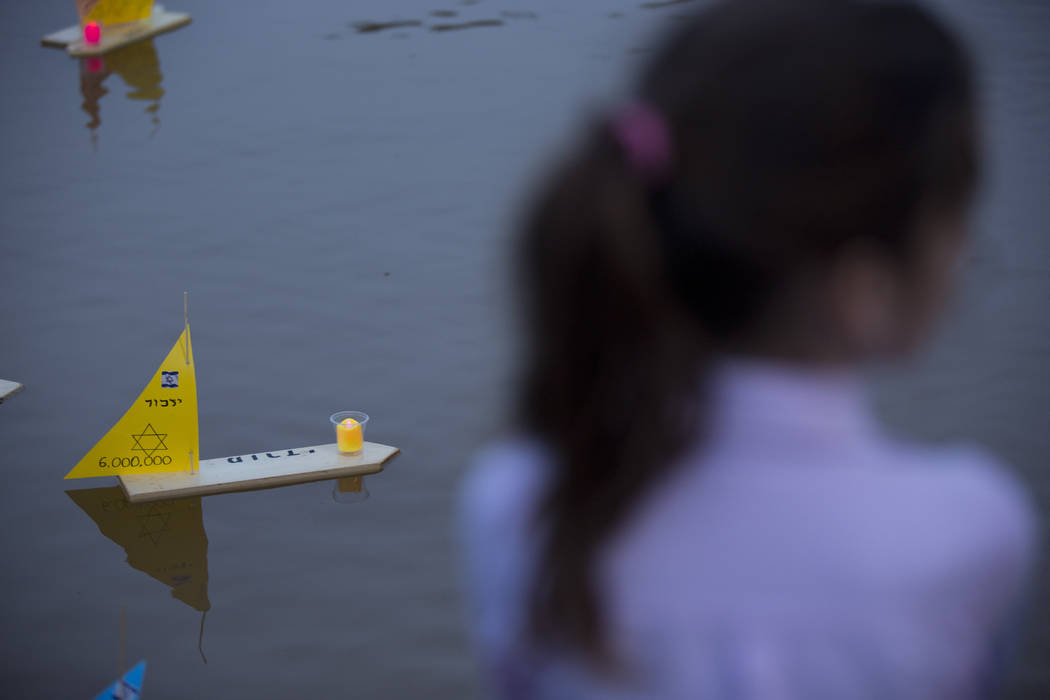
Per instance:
x=933, y=276
x=884, y=306
x=868, y=302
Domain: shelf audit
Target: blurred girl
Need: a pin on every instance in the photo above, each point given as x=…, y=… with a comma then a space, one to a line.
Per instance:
x=698, y=503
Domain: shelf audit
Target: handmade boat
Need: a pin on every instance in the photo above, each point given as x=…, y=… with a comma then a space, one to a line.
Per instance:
x=154, y=448
x=122, y=22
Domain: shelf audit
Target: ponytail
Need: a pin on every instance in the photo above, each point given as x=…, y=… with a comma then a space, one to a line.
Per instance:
x=612, y=375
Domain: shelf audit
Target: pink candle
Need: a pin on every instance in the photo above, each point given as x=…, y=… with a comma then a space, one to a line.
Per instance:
x=92, y=33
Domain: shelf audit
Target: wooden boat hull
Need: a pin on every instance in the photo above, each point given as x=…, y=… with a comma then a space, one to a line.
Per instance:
x=7, y=388
x=262, y=470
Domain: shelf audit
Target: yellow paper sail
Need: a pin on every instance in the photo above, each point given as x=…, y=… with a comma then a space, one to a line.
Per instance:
x=159, y=432
x=109, y=12
x=165, y=540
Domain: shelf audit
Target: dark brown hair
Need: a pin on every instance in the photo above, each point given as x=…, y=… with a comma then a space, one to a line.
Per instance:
x=799, y=127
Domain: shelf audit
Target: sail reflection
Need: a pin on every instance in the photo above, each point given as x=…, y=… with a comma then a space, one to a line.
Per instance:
x=165, y=540
x=137, y=65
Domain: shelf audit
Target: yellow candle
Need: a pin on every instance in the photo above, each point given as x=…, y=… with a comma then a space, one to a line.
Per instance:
x=348, y=436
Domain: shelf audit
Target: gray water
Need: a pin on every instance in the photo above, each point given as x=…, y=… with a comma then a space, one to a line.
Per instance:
x=337, y=200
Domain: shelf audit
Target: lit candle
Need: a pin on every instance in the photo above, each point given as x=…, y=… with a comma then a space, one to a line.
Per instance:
x=349, y=431
x=92, y=33
x=348, y=436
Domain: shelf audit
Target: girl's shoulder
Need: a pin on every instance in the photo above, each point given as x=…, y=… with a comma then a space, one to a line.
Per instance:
x=504, y=480
x=973, y=477
x=497, y=538
x=969, y=493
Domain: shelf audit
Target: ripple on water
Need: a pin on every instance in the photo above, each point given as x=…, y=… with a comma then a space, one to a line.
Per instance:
x=369, y=27
x=466, y=25
x=657, y=4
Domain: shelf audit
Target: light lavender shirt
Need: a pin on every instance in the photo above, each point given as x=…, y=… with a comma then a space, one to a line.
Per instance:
x=797, y=554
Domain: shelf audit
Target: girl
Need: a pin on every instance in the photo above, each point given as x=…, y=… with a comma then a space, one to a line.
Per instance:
x=698, y=503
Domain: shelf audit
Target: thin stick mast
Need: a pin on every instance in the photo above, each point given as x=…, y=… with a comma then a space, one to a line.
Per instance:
x=186, y=347
x=186, y=318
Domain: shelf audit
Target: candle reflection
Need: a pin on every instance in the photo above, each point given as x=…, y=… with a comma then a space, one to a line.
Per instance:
x=350, y=489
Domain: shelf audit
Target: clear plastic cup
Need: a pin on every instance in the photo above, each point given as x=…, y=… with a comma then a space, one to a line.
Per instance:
x=350, y=431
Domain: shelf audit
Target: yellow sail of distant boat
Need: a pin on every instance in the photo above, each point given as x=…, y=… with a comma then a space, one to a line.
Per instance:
x=109, y=12
x=159, y=432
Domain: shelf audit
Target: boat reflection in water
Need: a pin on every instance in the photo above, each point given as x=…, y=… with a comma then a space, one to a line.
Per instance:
x=138, y=66
x=165, y=539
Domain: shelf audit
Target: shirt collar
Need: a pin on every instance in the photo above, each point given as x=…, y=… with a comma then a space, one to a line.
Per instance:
x=751, y=399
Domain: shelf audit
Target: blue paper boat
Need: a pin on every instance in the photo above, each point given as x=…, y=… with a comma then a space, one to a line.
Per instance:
x=128, y=687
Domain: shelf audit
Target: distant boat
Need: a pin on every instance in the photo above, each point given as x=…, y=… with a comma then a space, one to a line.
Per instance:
x=117, y=23
x=128, y=686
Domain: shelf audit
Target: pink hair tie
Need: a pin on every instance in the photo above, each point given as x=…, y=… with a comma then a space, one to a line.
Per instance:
x=645, y=138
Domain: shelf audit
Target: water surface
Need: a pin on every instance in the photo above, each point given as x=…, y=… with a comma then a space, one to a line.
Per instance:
x=337, y=204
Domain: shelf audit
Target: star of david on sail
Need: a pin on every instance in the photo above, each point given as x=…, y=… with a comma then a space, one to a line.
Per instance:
x=153, y=441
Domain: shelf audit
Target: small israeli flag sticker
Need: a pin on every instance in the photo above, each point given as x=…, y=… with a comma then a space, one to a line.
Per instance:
x=169, y=380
